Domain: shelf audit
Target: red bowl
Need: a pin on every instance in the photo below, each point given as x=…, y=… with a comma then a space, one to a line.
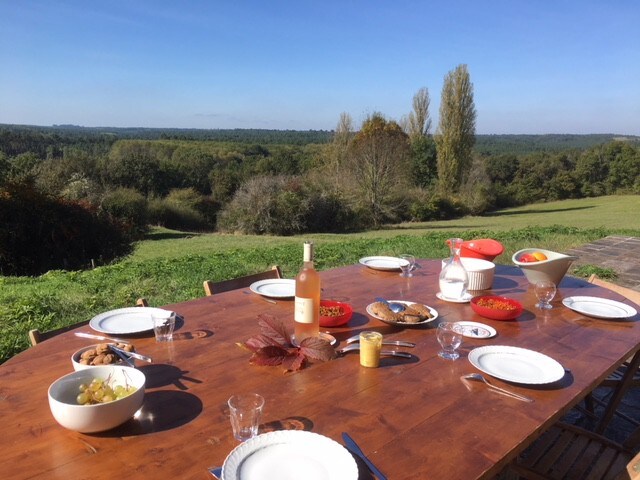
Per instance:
x=335, y=320
x=497, y=313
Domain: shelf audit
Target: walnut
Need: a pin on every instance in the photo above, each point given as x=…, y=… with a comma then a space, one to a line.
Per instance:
x=89, y=353
x=109, y=358
x=102, y=348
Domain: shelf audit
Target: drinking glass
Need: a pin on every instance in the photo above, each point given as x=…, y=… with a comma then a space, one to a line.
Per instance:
x=245, y=411
x=545, y=291
x=407, y=267
x=449, y=336
x=163, y=324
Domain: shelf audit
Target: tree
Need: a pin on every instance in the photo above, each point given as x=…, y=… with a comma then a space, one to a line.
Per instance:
x=419, y=123
x=379, y=163
x=455, y=136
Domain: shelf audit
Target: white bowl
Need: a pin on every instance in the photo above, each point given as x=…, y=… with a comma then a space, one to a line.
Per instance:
x=102, y=416
x=75, y=359
x=480, y=272
x=553, y=268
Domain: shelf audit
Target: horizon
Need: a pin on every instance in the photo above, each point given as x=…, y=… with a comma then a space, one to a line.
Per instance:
x=547, y=68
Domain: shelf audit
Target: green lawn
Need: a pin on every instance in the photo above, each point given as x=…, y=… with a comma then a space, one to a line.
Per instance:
x=170, y=266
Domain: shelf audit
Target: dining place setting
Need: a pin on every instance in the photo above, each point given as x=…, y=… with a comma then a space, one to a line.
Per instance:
x=462, y=322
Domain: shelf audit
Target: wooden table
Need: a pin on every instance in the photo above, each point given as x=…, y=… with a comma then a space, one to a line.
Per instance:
x=414, y=418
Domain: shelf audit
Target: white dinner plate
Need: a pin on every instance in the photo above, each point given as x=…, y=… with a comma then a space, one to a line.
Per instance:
x=477, y=330
x=466, y=299
x=599, y=307
x=433, y=311
x=290, y=455
x=276, y=288
x=124, y=320
x=383, y=263
x=515, y=364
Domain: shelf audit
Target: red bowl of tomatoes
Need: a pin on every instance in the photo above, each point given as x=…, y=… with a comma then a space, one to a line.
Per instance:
x=334, y=314
x=496, y=307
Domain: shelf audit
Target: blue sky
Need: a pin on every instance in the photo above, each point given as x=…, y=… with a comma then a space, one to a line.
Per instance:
x=537, y=66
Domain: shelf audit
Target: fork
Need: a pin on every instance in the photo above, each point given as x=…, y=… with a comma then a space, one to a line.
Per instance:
x=477, y=376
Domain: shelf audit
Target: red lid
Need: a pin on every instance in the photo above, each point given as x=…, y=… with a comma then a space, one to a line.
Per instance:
x=482, y=248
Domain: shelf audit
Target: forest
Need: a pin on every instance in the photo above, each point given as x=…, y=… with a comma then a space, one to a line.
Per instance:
x=91, y=192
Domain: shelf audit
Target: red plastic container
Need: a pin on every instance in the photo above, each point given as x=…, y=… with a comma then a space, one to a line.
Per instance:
x=496, y=313
x=484, y=248
x=337, y=320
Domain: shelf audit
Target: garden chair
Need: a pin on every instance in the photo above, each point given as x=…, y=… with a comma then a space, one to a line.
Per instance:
x=211, y=288
x=613, y=381
x=36, y=336
x=569, y=452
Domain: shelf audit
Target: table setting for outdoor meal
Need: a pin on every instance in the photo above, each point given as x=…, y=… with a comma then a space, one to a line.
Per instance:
x=416, y=368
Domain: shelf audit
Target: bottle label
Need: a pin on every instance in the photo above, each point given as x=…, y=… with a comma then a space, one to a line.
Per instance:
x=303, y=310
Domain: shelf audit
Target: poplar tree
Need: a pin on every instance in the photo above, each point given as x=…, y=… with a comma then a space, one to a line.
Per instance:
x=456, y=131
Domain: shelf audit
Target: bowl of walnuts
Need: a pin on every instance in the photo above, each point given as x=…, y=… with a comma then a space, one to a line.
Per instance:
x=334, y=314
x=99, y=355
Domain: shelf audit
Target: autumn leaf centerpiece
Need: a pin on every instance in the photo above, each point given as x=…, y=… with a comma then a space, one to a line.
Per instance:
x=273, y=347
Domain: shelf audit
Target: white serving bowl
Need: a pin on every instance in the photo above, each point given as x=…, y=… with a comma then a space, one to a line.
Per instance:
x=480, y=272
x=553, y=268
x=102, y=416
x=75, y=359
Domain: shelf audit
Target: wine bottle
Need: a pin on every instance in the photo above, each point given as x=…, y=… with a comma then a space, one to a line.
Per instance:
x=307, y=301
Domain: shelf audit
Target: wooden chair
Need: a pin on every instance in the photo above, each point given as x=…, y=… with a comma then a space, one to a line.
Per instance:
x=569, y=452
x=211, y=288
x=614, y=380
x=36, y=336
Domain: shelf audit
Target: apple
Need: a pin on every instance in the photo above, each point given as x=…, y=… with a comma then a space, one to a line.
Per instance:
x=527, y=258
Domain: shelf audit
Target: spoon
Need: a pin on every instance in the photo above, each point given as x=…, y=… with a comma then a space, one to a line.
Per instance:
x=477, y=376
x=399, y=343
x=389, y=353
x=393, y=306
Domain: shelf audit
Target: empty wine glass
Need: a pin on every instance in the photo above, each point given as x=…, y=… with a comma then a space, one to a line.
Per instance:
x=449, y=336
x=545, y=291
x=408, y=265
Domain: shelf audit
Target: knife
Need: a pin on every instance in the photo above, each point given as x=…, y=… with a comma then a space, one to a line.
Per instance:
x=354, y=448
x=100, y=337
x=131, y=354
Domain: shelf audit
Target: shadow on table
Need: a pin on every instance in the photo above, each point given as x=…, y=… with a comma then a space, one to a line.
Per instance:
x=289, y=423
x=161, y=375
x=162, y=410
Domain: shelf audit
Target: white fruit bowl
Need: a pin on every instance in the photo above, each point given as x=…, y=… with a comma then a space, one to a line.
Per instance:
x=553, y=268
x=102, y=416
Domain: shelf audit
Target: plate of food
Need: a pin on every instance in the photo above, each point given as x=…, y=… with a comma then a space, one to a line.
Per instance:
x=414, y=314
x=496, y=307
x=383, y=263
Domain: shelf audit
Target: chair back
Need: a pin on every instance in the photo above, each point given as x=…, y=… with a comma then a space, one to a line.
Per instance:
x=36, y=336
x=632, y=295
x=211, y=288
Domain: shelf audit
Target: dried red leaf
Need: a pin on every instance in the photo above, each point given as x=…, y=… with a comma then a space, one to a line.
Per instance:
x=317, y=348
x=293, y=363
x=269, y=356
x=274, y=329
x=261, y=341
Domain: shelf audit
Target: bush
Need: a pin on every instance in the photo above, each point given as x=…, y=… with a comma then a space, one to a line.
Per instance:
x=127, y=205
x=175, y=216
x=430, y=206
x=41, y=233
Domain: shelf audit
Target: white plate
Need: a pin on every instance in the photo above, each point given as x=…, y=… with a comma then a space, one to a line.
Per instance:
x=433, y=311
x=383, y=263
x=290, y=455
x=515, y=364
x=124, y=320
x=477, y=330
x=599, y=307
x=466, y=299
x=276, y=288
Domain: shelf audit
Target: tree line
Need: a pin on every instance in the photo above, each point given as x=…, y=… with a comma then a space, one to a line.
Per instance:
x=352, y=178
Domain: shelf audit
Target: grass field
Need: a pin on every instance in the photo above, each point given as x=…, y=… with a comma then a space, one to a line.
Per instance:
x=170, y=266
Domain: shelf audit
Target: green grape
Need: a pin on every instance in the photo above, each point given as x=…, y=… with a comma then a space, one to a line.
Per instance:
x=82, y=387
x=98, y=394
x=82, y=398
x=107, y=399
